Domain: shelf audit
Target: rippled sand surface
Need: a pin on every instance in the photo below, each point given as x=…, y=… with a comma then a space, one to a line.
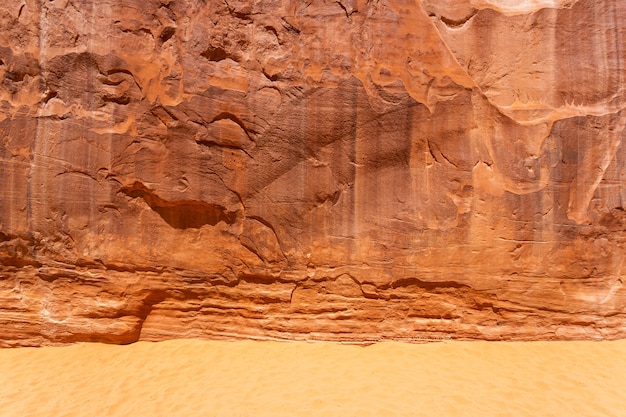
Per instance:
x=200, y=378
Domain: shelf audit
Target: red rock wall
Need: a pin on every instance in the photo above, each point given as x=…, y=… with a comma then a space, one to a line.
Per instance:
x=343, y=170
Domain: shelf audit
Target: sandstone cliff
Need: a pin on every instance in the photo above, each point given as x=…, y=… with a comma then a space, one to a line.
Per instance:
x=345, y=170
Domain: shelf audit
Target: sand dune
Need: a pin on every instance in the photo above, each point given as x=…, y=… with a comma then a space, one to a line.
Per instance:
x=199, y=378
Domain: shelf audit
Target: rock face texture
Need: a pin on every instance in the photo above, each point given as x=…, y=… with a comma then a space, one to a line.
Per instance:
x=350, y=170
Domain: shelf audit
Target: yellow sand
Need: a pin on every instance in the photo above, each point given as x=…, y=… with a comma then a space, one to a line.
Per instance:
x=197, y=378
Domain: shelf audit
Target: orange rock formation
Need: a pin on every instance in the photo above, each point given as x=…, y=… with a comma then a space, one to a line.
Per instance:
x=345, y=170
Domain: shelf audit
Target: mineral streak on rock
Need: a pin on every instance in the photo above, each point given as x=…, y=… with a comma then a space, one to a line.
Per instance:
x=345, y=170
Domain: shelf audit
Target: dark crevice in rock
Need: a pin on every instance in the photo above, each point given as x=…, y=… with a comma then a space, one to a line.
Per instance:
x=232, y=118
x=289, y=26
x=213, y=144
x=49, y=95
x=429, y=285
x=14, y=76
x=344, y=9
x=167, y=34
x=215, y=54
x=239, y=14
x=165, y=116
x=122, y=100
x=107, y=81
x=184, y=214
x=436, y=151
x=263, y=279
x=136, y=31
x=252, y=250
x=322, y=198
x=271, y=29
x=457, y=23
x=120, y=267
x=271, y=77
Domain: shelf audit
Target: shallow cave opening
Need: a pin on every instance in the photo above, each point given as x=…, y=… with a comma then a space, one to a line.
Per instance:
x=184, y=214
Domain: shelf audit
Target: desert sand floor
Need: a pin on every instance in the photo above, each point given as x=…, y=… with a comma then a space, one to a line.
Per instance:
x=199, y=378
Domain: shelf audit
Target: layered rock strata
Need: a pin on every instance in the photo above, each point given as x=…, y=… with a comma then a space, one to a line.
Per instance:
x=345, y=170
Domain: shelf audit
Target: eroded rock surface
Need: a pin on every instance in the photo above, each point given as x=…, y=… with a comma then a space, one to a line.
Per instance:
x=342, y=170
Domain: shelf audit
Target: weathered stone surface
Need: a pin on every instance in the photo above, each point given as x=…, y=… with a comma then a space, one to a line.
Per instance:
x=344, y=170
